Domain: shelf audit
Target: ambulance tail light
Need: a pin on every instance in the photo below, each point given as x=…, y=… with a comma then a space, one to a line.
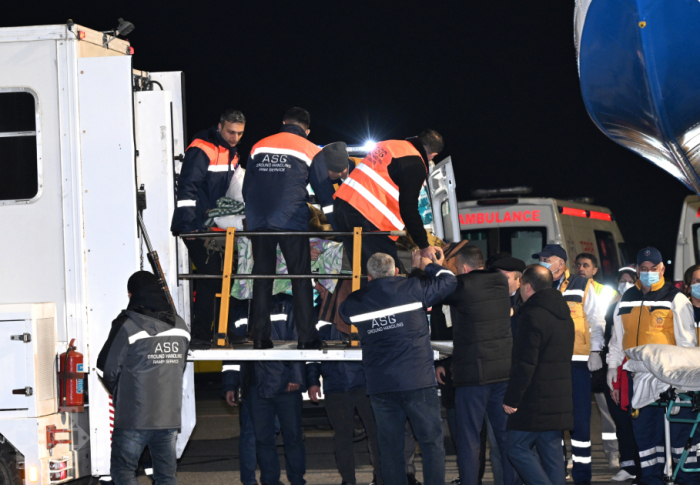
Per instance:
x=603, y=216
x=679, y=284
x=497, y=202
x=570, y=211
x=81, y=35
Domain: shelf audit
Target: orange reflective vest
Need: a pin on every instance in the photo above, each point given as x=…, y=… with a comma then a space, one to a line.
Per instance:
x=218, y=155
x=574, y=290
x=370, y=190
x=648, y=319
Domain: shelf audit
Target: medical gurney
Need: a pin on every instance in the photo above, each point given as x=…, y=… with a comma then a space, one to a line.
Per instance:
x=668, y=376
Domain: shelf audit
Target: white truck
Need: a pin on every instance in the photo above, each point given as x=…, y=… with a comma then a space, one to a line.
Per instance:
x=87, y=142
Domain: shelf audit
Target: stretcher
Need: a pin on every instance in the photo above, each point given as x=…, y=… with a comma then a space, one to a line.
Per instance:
x=668, y=376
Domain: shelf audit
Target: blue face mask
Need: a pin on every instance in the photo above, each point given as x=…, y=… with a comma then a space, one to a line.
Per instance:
x=648, y=278
x=546, y=265
x=695, y=290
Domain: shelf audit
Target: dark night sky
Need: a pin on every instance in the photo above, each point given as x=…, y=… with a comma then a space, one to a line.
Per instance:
x=499, y=83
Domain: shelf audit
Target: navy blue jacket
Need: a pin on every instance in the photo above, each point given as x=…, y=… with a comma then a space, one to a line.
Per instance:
x=339, y=376
x=274, y=188
x=272, y=377
x=204, y=179
x=390, y=315
x=323, y=186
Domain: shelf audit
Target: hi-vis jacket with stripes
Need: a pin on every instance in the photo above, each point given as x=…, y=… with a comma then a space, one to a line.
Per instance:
x=662, y=316
x=275, y=182
x=588, y=313
x=385, y=194
x=205, y=177
x=390, y=315
x=141, y=365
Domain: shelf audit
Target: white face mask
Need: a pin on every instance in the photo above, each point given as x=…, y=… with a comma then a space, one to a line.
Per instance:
x=624, y=286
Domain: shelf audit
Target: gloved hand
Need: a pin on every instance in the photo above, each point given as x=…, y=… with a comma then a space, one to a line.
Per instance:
x=611, y=377
x=595, y=362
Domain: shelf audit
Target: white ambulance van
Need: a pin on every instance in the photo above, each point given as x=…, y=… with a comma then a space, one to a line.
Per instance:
x=687, y=241
x=502, y=220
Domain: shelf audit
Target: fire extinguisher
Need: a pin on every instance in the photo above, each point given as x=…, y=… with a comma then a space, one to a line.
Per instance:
x=70, y=378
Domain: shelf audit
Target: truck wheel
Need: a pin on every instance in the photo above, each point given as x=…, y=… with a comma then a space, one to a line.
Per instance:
x=9, y=474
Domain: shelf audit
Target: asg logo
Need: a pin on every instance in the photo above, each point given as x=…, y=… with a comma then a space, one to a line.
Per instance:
x=383, y=321
x=167, y=347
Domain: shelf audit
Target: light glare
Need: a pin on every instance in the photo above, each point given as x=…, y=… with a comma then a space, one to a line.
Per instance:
x=370, y=145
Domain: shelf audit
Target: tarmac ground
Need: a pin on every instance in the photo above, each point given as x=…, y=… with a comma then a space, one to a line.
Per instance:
x=211, y=456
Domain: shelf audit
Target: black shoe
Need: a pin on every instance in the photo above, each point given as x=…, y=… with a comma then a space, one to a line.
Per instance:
x=347, y=483
x=374, y=481
x=262, y=344
x=457, y=481
x=237, y=339
x=317, y=344
x=412, y=479
x=583, y=483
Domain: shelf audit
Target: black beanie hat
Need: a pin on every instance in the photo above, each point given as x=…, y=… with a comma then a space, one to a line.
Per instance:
x=336, y=156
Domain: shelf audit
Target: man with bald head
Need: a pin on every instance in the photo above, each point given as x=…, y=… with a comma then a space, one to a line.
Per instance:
x=538, y=399
x=652, y=312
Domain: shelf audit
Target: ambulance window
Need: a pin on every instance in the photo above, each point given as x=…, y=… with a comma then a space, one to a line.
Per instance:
x=522, y=243
x=484, y=239
x=607, y=253
x=18, y=146
x=696, y=236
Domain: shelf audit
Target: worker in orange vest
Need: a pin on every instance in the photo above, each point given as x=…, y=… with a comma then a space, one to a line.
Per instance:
x=381, y=194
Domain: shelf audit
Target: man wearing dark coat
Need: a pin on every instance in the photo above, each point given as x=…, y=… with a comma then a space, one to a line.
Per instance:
x=538, y=400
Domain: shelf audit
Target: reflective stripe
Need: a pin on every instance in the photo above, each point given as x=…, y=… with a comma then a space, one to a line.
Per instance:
x=379, y=180
x=218, y=168
x=609, y=436
x=229, y=367
x=280, y=317
x=173, y=332
x=678, y=451
x=282, y=151
x=148, y=471
x=105, y=479
x=186, y=203
x=99, y=372
x=630, y=304
x=580, y=358
x=581, y=444
x=328, y=209
x=624, y=464
x=389, y=311
x=321, y=323
x=653, y=461
x=581, y=459
x=688, y=459
x=375, y=202
x=446, y=271
x=241, y=321
x=573, y=293
x=651, y=451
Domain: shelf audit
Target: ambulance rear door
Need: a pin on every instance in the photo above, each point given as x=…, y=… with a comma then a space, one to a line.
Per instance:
x=520, y=226
x=687, y=244
x=592, y=229
x=441, y=182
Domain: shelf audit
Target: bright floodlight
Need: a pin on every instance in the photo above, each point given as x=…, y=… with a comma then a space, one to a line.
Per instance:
x=370, y=145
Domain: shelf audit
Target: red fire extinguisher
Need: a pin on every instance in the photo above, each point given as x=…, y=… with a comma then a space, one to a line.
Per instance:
x=70, y=378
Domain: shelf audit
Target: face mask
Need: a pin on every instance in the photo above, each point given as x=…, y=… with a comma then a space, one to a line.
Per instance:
x=546, y=265
x=624, y=286
x=649, y=278
x=695, y=290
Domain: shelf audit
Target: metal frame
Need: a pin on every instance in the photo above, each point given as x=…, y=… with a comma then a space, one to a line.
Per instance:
x=227, y=276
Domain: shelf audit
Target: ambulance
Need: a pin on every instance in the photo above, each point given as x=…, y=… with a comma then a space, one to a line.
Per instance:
x=504, y=220
x=687, y=240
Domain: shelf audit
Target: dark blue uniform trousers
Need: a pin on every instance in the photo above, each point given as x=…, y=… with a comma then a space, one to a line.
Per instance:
x=581, y=434
x=649, y=434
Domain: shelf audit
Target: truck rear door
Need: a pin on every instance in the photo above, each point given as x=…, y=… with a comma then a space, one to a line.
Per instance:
x=441, y=182
x=687, y=244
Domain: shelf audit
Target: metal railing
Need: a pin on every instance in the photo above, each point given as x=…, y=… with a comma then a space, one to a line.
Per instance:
x=228, y=275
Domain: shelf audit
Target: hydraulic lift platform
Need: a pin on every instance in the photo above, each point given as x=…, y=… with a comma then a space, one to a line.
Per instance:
x=287, y=350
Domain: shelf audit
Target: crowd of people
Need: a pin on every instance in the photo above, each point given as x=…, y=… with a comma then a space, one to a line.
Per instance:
x=530, y=342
